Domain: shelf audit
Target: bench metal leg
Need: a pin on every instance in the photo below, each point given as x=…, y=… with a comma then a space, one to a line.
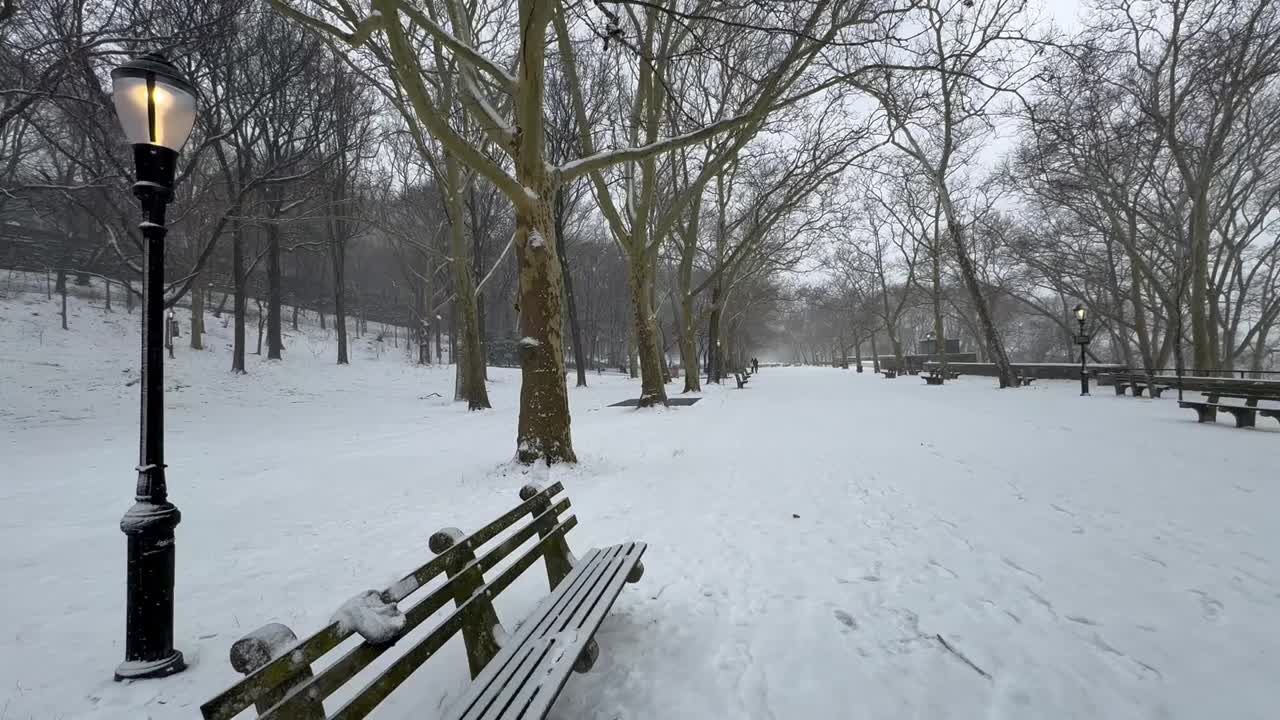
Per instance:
x=1207, y=414
x=1120, y=388
x=587, y=659
x=1137, y=390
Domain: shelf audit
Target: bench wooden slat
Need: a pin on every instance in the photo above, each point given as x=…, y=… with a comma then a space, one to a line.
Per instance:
x=555, y=665
x=235, y=699
x=609, y=560
x=389, y=679
x=482, y=687
x=525, y=663
x=576, y=610
x=528, y=694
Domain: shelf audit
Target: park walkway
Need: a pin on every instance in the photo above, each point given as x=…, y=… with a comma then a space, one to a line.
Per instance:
x=827, y=540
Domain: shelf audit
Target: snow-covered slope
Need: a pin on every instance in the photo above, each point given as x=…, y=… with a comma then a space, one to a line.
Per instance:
x=822, y=544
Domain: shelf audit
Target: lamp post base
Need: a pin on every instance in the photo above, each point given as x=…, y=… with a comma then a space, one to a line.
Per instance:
x=138, y=669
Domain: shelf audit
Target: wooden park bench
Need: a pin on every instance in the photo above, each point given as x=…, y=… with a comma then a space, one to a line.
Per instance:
x=889, y=374
x=1246, y=415
x=1140, y=383
x=741, y=377
x=514, y=675
x=934, y=377
x=1025, y=379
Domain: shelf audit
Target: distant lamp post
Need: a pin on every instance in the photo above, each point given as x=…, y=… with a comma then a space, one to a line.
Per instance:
x=156, y=108
x=1083, y=341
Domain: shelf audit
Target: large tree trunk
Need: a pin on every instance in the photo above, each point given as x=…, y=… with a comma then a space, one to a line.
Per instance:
x=422, y=326
x=685, y=319
x=995, y=346
x=935, y=256
x=239, y=309
x=543, y=432
x=875, y=354
x=714, y=364
x=570, y=304
x=652, y=390
x=688, y=346
x=338, y=256
x=275, y=341
x=62, y=291
x=1259, y=354
x=471, y=361
x=1203, y=348
x=633, y=357
x=197, y=316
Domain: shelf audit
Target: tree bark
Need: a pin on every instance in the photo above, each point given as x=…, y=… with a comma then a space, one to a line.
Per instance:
x=571, y=307
x=275, y=341
x=337, y=255
x=471, y=361
x=239, y=309
x=688, y=346
x=197, y=318
x=995, y=346
x=652, y=390
x=714, y=365
x=543, y=433
x=62, y=291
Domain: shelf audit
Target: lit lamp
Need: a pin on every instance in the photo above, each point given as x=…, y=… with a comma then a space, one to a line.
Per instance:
x=156, y=108
x=1083, y=340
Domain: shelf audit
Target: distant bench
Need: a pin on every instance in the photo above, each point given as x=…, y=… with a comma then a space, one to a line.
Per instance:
x=1246, y=415
x=741, y=377
x=1139, y=382
x=517, y=675
x=936, y=376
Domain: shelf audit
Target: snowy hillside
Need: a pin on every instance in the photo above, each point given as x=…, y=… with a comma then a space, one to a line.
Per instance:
x=823, y=544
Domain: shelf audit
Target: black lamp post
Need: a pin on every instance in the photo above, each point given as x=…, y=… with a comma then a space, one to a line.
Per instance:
x=156, y=108
x=1083, y=340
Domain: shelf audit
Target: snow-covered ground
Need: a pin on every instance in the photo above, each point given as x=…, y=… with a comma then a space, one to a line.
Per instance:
x=822, y=544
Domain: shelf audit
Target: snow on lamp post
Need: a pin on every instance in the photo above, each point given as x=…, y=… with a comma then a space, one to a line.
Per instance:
x=156, y=108
x=1083, y=340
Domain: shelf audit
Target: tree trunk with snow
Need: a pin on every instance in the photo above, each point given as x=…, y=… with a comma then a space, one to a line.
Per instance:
x=543, y=429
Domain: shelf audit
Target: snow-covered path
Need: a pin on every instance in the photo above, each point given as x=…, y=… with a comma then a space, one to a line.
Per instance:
x=823, y=544
x=1096, y=558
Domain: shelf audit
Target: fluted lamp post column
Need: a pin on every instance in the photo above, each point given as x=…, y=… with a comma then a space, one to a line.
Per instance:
x=156, y=108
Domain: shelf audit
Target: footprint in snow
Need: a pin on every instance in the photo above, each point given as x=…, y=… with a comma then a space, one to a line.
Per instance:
x=1210, y=607
x=846, y=619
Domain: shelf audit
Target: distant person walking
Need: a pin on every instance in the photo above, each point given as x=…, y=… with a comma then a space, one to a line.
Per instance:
x=755, y=365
